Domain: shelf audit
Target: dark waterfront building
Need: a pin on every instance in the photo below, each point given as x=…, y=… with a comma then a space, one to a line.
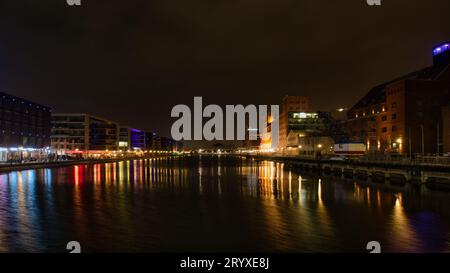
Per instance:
x=83, y=132
x=152, y=141
x=24, y=128
x=132, y=139
x=405, y=115
x=168, y=144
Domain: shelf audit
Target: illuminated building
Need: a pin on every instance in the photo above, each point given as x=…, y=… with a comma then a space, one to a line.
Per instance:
x=265, y=144
x=131, y=138
x=24, y=128
x=73, y=132
x=290, y=105
x=404, y=115
x=309, y=134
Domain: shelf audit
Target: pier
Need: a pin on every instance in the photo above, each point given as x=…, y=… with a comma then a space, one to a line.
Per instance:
x=433, y=176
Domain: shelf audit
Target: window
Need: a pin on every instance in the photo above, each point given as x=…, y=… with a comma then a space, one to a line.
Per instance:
x=383, y=118
x=394, y=128
x=394, y=105
x=384, y=130
x=394, y=116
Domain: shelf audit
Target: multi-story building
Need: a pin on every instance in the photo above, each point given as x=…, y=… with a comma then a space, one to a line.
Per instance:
x=289, y=106
x=152, y=141
x=132, y=139
x=405, y=115
x=168, y=144
x=74, y=132
x=309, y=134
x=24, y=128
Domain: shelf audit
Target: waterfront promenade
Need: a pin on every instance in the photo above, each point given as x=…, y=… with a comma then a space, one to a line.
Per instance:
x=397, y=172
x=10, y=167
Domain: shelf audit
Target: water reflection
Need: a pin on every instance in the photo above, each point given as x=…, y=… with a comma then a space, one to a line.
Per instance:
x=212, y=204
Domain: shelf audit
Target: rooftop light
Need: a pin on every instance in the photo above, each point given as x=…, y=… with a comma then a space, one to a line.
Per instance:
x=441, y=48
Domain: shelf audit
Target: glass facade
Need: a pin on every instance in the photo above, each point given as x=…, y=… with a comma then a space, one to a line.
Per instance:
x=23, y=123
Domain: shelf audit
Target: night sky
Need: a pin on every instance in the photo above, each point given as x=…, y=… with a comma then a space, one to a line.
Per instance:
x=133, y=60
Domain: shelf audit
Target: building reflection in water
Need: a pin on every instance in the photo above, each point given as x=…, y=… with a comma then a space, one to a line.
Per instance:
x=257, y=205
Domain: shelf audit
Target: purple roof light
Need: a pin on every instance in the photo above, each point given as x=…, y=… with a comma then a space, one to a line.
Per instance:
x=440, y=49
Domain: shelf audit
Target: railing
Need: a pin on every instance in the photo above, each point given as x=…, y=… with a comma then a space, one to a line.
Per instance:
x=416, y=160
x=429, y=160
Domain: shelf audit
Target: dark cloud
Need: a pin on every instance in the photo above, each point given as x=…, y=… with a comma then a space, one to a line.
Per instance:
x=132, y=61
